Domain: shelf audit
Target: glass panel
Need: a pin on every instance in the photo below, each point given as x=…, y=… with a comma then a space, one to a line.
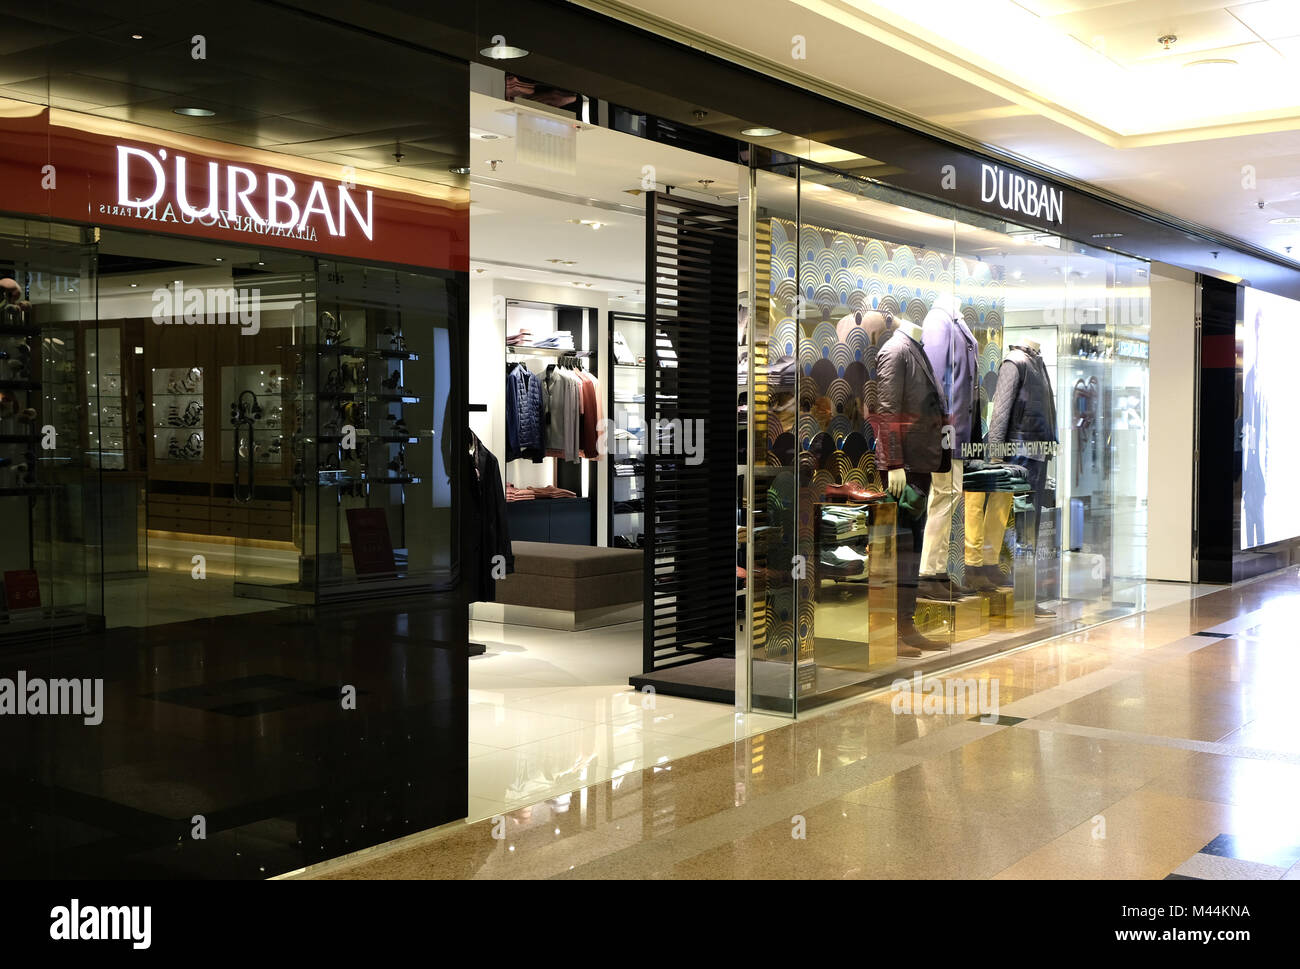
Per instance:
x=772, y=531
x=382, y=516
x=261, y=421
x=49, y=558
x=877, y=277
x=1019, y=468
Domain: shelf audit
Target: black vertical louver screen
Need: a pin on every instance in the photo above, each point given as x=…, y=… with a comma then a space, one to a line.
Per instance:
x=690, y=499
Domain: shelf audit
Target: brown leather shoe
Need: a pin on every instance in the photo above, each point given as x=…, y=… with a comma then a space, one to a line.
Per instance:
x=853, y=492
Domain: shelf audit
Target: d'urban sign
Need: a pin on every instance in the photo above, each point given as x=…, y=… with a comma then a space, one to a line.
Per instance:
x=231, y=198
x=81, y=169
x=1013, y=192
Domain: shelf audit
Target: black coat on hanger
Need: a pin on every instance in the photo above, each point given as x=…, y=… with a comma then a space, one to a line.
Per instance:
x=487, y=532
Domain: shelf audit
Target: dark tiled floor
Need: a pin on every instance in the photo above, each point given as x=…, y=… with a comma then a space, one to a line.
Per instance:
x=239, y=720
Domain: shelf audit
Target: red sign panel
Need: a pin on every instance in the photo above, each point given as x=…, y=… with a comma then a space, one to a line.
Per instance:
x=372, y=548
x=119, y=174
x=22, y=590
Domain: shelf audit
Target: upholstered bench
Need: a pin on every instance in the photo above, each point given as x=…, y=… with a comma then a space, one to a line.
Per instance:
x=568, y=587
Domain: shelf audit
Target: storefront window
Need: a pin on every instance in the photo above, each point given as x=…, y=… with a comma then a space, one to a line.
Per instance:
x=952, y=431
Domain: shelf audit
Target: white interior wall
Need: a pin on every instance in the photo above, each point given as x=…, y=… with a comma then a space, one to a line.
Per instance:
x=1172, y=423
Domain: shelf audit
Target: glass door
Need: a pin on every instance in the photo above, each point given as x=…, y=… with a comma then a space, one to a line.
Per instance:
x=260, y=495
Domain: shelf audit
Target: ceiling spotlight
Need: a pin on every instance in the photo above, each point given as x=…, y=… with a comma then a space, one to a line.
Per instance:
x=759, y=131
x=501, y=51
x=1285, y=220
x=137, y=36
x=220, y=259
x=194, y=112
x=459, y=169
x=589, y=223
x=134, y=285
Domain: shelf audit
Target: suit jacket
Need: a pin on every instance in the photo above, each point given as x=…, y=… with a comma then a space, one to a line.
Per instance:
x=487, y=533
x=954, y=357
x=912, y=410
x=1024, y=407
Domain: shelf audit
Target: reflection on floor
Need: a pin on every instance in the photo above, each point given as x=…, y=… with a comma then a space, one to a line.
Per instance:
x=1159, y=745
x=163, y=597
x=294, y=736
x=551, y=712
x=840, y=617
x=193, y=577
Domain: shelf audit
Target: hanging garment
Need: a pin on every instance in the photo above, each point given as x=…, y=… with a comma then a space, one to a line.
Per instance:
x=523, y=415
x=487, y=533
x=592, y=413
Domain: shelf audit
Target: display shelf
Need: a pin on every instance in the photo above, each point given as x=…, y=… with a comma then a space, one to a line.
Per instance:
x=330, y=478
x=558, y=351
x=362, y=435
x=362, y=352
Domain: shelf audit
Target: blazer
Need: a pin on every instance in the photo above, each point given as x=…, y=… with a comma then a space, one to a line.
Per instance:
x=911, y=411
x=1024, y=407
x=954, y=357
x=487, y=533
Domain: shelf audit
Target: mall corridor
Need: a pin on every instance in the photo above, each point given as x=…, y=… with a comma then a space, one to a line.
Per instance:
x=1159, y=746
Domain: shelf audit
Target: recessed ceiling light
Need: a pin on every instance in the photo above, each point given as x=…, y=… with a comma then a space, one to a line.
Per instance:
x=503, y=52
x=1285, y=220
x=137, y=36
x=759, y=131
x=1213, y=63
x=459, y=169
x=194, y=112
x=589, y=223
x=484, y=135
x=134, y=285
x=220, y=259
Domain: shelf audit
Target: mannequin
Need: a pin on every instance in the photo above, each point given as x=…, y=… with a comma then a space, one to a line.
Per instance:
x=909, y=429
x=1022, y=427
x=954, y=357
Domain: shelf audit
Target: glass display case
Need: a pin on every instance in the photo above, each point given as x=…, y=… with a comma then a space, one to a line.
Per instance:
x=944, y=440
x=178, y=408
x=380, y=494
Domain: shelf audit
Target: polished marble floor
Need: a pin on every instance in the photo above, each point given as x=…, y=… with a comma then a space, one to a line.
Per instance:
x=550, y=712
x=1158, y=746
